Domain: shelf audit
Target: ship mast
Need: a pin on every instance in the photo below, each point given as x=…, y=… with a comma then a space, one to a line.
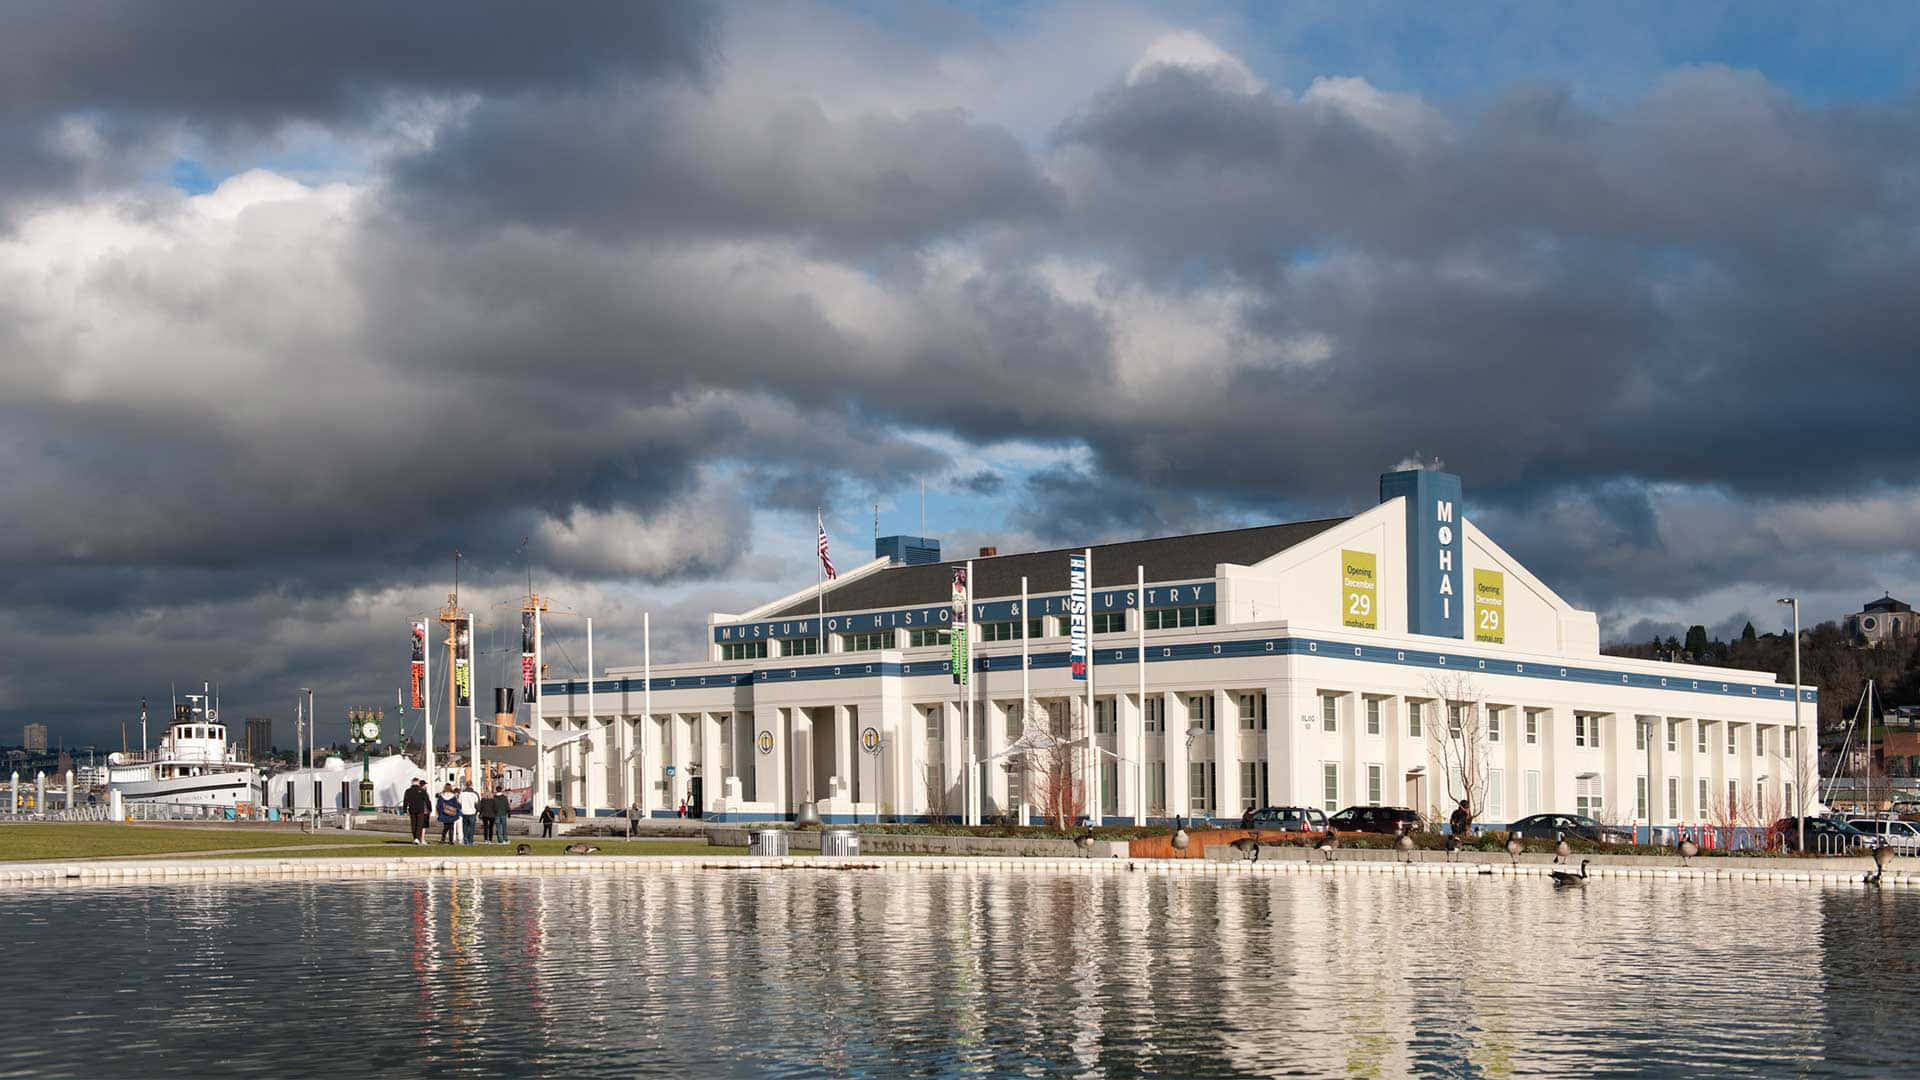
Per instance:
x=450, y=617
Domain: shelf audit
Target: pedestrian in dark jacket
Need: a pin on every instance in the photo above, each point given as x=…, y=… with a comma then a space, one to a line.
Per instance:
x=448, y=807
x=502, y=810
x=1462, y=820
x=486, y=818
x=419, y=807
x=546, y=822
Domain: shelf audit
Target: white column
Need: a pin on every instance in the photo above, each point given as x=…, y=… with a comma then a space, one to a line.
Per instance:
x=1126, y=743
x=1173, y=725
x=952, y=778
x=1226, y=752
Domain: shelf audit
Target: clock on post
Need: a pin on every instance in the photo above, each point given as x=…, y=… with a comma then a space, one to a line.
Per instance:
x=363, y=725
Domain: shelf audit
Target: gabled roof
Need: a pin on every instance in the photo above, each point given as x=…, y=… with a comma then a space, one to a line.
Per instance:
x=1172, y=558
x=1886, y=603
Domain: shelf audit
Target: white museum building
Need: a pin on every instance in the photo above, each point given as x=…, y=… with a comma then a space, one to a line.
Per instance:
x=1397, y=657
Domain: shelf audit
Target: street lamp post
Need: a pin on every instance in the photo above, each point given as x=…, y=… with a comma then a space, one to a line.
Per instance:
x=1799, y=736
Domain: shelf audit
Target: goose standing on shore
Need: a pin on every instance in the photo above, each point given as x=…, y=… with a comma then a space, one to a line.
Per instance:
x=1515, y=846
x=1563, y=879
x=1404, y=842
x=1248, y=846
x=1561, y=849
x=1085, y=843
x=1180, y=839
x=1328, y=841
x=1688, y=849
x=1882, y=855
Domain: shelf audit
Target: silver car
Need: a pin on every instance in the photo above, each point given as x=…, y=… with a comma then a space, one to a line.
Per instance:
x=1901, y=836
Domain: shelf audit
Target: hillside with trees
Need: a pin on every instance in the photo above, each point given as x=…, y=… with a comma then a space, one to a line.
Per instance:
x=1830, y=659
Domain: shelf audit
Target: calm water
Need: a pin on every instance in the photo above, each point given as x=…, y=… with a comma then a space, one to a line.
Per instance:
x=865, y=974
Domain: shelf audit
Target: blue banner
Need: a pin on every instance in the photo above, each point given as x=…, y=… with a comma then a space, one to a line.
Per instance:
x=1079, y=590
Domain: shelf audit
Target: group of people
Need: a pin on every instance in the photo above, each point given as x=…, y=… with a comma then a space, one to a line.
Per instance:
x=458, y=811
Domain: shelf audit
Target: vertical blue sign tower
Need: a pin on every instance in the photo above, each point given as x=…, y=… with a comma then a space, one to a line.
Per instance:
x=1434, y=524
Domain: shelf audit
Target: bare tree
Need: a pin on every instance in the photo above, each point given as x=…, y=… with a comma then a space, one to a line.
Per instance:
x=1051, y=766
x=1457, y=742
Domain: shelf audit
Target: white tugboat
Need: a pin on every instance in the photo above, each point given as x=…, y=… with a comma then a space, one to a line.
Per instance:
x=193, y=766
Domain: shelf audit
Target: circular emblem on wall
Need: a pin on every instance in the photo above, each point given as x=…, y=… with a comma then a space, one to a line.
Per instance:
x=1867, y=622
x=870, y=740
x=766, y=742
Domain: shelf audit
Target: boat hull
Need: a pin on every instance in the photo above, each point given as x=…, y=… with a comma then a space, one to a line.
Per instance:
x=207, y=789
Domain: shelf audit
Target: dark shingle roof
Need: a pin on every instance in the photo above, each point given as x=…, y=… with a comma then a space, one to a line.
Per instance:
x=1172, y=558
x=1886, y=603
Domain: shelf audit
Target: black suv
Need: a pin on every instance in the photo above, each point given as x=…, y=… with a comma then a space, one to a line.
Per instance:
x=1287, y=819
x=1375, y=819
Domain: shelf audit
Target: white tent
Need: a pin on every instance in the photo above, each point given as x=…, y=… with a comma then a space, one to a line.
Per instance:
x=339, y=784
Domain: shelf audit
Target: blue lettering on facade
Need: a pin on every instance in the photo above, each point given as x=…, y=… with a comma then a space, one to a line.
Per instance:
x=1434, y=528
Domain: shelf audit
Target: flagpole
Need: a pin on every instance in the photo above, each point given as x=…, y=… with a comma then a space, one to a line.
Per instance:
x=1026, y=696
x=966, y=688
x=1140, y=719
x=426, y=698
x=819, y=581
x=1093, y=723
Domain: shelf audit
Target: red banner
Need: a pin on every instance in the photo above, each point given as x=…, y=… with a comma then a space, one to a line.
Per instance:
x=419, y=676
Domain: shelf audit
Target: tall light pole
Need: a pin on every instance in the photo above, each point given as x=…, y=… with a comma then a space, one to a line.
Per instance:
x=1799, y=736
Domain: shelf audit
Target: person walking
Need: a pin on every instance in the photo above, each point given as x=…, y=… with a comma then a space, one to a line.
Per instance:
x=469, y=811
x=447, y=807
x=419, y=806
x=1461, y=823
x=502, y=810
x=546, y=822
x=633, y=820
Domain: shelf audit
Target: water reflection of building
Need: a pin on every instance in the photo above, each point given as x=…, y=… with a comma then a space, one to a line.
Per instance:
x=1316, y=663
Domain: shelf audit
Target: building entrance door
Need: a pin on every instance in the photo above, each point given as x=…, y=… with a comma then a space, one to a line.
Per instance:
x=695, y=801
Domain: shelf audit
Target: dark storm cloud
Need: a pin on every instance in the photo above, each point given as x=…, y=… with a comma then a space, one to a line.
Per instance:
x=985, y=483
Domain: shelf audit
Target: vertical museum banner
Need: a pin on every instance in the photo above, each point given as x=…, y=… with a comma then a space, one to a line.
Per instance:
x=463, y=661
x=1490, y=607
x=1359, y=590
x=419, y=670
x=1079, y=601
x=529, y=634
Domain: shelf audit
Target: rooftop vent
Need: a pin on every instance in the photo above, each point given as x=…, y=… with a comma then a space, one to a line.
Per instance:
x=907, y=550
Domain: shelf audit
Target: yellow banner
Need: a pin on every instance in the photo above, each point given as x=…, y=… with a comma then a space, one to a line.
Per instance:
x=1359, y=590
x=1490, y=607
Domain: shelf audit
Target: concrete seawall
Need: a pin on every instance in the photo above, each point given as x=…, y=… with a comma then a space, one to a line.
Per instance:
x=174, y=871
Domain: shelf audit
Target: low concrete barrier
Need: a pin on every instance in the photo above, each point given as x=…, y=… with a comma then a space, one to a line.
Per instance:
x=872, y=843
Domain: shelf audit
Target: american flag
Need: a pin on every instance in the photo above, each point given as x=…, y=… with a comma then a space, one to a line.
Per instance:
x=826, y=561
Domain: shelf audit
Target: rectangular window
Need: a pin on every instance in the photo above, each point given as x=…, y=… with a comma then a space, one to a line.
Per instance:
x=1533, y=730
x=933, y=724
x=873, y=642
x=1673, y=798
x=1157, y=786
x=799, y=646
x=1497, y=794
x=1456, y=720
x=1700, y=734
x=1533, y=791
x=921, y=639
x=744, y=650
x=1586, y=799
x=1493, y=725
x=1673, y=736
x=1759, y=797
x=1376, y=785
x=1200, y=711
x=1005, y=631
x=1329, y=712
x=1786, y=793
x=1152, y=711
x=1249, y=712
x=1413, y=720
x=1250, y=785
x=1733, y=797
x=1704, y=807
x=1586, y=731
x=1732, y=738
x=1197, y=788
x=1013, y=720
x=1330, y=787
x=1639, y=734
x=1640, y=797
x=1104, y=720
x=1759, y=741
x=1373, y=716
x=1169, y=618
x=1786, y=743
x=1110, y=622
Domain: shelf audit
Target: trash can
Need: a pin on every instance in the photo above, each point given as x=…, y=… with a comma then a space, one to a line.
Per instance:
x=839, y=842
x=767, y=842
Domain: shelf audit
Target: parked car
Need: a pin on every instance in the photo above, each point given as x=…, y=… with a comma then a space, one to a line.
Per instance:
x=1289, y=819
x=1901, y=836
x=1374, y=819
x=1550, y=826
x=1823, y=835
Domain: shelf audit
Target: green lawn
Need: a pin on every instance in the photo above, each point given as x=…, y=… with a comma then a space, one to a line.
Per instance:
x=390, y=848
x=52, y=841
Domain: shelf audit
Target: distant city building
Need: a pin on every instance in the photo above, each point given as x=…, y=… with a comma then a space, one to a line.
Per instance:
x=1881, y=621
x=34, y=738
x=259, y=738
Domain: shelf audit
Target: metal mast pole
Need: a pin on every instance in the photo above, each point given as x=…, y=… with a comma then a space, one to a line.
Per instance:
x=1140, y=656
x=592, y=717
x=966, y=708
x=1026, y=698
x=1799, y=734
x=475, y=772
x=426, y=702
x=646, y=703
x=1093, y=721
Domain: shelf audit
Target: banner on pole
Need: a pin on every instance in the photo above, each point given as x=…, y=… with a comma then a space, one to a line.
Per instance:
x=463, y=662
x=419, y=660
x=962, y=657
x=1079, y=601
x=1359, y=587
x=529, y=680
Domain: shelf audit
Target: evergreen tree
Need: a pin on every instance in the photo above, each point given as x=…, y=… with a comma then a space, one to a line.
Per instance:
x=1697, y=640
x=1747, y=635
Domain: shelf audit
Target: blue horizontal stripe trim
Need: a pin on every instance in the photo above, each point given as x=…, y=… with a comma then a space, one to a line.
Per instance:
x=1209, y=650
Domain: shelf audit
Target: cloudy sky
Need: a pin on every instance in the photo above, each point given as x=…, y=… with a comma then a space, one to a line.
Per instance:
x=297, y=299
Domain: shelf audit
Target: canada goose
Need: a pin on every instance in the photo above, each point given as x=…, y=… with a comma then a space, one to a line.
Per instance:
x=1328, y=841
x=1085, y=843
x=1248, y=846
x=1404, y=842
x=1882, y=855
x=1688, y=849
x=1453, y=846
x=1179, y=839
x=1563, y=879
x=1561, y=849
x=1515, y=845
x=523, y=849
x=582, y=849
